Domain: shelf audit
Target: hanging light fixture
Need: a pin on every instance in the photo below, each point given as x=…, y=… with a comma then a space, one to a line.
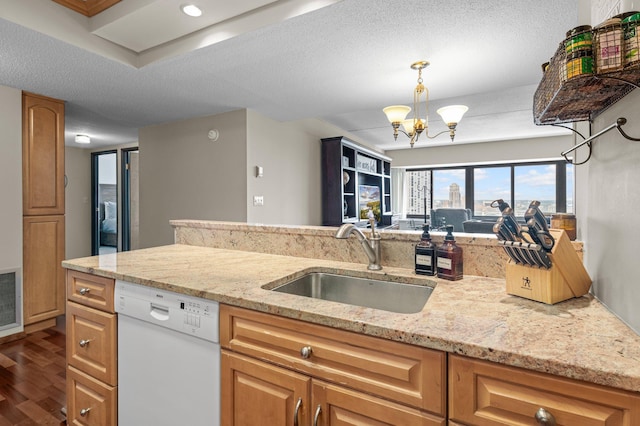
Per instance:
x=414, y=127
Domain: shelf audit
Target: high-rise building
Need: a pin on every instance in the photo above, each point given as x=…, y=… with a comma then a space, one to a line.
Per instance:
x=418, y=184
x=455, y=198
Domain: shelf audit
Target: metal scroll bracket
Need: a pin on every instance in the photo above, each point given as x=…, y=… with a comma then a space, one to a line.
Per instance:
x=617, y=125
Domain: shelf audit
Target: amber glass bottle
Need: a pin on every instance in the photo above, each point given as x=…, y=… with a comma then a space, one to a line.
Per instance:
x=425, y=254
x=449, y=258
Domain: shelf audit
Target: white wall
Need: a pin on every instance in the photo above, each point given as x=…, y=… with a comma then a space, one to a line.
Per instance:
x=10, y=178
x=78, y=202
x=501, y=151
x=611, y=244
x=184, y=175
x=291, y=186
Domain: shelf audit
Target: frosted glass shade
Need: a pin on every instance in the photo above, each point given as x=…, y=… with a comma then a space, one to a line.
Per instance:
x=83, y=139
x=452, y=113
x=396, y=113
x=408, y=125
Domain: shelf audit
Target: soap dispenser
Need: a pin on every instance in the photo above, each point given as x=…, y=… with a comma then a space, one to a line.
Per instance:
x=449, y=256
x=425, y=254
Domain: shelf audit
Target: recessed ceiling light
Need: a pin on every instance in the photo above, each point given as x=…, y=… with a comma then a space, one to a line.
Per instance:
x=83, y=139
x=191, y=10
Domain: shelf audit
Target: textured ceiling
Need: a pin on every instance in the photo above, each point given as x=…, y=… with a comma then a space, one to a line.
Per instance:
x=340, y=63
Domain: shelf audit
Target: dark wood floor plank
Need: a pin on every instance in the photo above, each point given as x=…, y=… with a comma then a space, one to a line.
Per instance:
x=33, y=380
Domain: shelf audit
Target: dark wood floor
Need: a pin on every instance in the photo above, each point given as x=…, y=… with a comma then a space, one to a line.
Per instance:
x=32, y=380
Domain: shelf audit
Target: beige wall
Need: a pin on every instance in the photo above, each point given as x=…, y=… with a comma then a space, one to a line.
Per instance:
x=183, y=174
x=291, y=186
x=78, y=202
x=10, y=178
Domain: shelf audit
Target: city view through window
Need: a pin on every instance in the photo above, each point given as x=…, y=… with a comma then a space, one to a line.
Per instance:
x=530, y=182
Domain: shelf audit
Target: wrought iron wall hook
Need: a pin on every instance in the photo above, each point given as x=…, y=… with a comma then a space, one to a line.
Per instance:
x=617, y=125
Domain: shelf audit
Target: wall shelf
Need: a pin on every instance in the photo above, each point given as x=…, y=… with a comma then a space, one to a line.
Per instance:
x=558, y=100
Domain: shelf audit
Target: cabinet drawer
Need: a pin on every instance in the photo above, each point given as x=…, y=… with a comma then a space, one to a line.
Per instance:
x=90, y=402
x=392, y=370
x=90, y=290
x=483, y=393
x=91, y=342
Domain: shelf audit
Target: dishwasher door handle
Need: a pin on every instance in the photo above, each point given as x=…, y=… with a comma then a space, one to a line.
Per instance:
x=159, y=312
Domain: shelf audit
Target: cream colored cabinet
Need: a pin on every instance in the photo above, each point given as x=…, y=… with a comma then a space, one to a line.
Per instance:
x=347, y=375
x=483, y=393
x=92, y=369
x=43, y=210
x=43, y=287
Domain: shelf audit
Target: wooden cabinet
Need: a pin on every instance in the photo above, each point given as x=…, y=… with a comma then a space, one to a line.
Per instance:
x=349, y=372
x=43, y=285
x=483, y=393
x=42, y=155
x=88, y=7
x=354, y=179
x=256, y=393
x=92, y=369
x=43, y=210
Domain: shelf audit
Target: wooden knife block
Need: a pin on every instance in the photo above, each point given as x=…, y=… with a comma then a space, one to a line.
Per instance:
x=567, y=278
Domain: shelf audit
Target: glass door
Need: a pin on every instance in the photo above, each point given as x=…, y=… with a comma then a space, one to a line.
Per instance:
x=104, y=222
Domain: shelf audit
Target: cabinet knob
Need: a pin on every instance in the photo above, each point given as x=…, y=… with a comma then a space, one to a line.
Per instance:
x=83, y=291
x=84, y=412
x=297, y=412
x=316, y=416
x=305, y=352
x=83, y=343
x=543, y=417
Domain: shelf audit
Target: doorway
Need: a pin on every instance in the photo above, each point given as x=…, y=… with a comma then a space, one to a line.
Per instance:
x=104, y=222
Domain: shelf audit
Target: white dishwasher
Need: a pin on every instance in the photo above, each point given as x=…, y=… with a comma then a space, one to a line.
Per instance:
x=168, y=358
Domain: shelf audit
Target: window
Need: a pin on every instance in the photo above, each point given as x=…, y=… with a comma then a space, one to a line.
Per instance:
x=475, y=187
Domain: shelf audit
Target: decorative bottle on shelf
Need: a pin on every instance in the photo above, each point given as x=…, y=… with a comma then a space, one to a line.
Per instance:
x=425, y=254
x=449, y=256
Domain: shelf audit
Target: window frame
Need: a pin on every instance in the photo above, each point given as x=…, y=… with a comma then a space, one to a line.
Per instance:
x=469, y=191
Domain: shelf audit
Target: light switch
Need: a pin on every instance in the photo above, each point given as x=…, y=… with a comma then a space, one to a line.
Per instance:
x=259, y=171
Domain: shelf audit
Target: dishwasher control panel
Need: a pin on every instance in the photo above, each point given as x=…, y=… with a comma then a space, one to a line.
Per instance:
x=179, y=312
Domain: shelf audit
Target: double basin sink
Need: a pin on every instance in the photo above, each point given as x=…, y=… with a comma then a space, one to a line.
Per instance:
x=372, y=293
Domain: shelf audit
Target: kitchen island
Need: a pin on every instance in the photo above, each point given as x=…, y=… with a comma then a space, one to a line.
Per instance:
x=577, y=339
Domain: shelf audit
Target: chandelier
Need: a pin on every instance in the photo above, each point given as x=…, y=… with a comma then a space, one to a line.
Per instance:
x=414, y=127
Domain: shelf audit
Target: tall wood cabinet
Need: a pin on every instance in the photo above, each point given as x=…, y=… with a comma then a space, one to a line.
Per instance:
x=43, y=210
x=354, y=180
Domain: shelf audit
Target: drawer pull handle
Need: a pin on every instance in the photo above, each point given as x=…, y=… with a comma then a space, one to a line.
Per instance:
x=543, y=417
x=317, y=415
x=305, y=352
x=83, y=291
x=83, y=343
x=297, y=412
x=84, y=412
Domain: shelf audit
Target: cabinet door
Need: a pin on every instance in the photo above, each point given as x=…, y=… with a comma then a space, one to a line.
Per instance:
x=43, y=279
x=337, y=406
x=256, y=393
x=483, y=393
x=42, y=155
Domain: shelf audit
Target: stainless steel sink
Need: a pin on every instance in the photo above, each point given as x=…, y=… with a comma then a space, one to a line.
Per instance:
x=385, y=295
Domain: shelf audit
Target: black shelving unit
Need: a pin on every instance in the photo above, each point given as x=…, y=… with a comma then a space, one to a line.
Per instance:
x=354, y=180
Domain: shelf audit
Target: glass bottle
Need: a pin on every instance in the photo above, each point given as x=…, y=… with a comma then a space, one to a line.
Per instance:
x=425, y=254
x=449, y=256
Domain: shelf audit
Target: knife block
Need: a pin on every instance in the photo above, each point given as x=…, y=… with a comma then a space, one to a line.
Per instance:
x=567, y=278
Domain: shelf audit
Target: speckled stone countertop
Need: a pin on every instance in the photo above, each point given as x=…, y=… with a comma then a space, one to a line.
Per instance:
x=578, y=338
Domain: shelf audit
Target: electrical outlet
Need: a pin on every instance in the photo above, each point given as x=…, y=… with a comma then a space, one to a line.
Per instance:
x=258, y=200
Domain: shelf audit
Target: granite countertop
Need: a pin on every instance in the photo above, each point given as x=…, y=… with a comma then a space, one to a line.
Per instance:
x=578, y=338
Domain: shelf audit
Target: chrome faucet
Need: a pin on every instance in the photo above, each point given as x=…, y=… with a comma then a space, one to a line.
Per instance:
x=371, y=246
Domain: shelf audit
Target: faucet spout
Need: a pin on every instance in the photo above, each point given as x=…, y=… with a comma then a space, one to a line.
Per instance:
x=371, y=247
